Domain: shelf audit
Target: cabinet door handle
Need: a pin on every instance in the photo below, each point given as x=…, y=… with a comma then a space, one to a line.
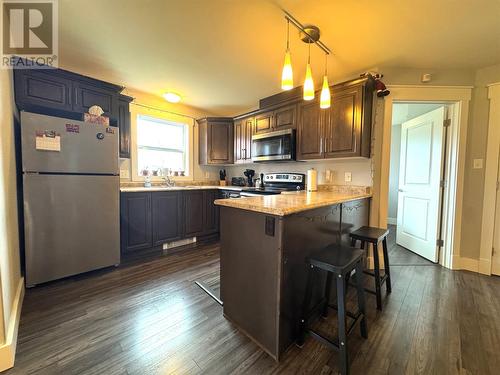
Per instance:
x=321, y=145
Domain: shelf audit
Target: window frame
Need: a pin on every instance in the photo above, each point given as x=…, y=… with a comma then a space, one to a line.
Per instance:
x=136, y=112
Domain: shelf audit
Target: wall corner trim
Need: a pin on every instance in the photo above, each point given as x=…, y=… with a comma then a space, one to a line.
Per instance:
x=8, y=350
x=490, y=176
x=392, y=221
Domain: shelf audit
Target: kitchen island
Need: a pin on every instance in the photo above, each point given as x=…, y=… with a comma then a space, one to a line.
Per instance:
x=264, y=243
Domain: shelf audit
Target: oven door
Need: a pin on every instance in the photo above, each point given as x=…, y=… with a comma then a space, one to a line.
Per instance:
x=278, y=145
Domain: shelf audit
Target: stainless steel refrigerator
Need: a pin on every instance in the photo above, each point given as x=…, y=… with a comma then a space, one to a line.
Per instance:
x=71, y=193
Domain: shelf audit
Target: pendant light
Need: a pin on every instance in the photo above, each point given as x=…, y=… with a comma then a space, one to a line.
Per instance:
x=287, y=73
x=308, y=82
x=325, y=97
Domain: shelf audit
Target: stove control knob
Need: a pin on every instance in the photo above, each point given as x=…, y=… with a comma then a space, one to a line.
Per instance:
x=294, y=177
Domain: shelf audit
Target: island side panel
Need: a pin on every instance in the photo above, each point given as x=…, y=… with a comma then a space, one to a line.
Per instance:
x=355, y=214
x=302, y=234
x=250, y=273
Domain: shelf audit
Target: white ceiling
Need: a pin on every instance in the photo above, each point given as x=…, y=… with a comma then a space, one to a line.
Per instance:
x=224, y=55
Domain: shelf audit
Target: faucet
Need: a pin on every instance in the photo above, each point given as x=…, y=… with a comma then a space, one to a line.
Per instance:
x=168, y=181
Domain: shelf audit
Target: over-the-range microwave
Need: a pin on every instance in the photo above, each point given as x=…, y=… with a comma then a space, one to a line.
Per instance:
x=274, y=146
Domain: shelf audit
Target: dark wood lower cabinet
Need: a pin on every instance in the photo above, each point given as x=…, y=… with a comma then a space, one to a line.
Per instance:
x=211, y=212
x=150, y=219
x=193, y=213
x=135, y=221
x=167, y=217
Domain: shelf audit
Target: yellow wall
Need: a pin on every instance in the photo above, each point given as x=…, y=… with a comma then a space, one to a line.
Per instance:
x=476, y=149
x=10, y=273
x=476, y=139
x=199, y=172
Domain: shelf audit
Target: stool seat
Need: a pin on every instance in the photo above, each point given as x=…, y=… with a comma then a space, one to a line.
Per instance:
x=370, y=234
x=335, y=258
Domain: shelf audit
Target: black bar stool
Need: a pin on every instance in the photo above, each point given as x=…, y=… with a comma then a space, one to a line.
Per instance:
x=374, y=236
x=338, y=261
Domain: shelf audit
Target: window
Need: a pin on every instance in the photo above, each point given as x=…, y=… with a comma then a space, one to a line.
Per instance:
x=161, y=145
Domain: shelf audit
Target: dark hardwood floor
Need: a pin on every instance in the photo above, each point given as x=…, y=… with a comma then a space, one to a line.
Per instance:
x=399, y=256
x=150, y=318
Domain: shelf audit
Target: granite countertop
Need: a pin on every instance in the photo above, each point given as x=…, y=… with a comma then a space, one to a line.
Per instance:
x=138, y=189
x=292, y=202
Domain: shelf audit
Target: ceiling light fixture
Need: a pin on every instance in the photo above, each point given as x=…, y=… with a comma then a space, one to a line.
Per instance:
x=308, y=82
x=325, y=97
x=309, y=34
x=287, y=73
x=172, y=97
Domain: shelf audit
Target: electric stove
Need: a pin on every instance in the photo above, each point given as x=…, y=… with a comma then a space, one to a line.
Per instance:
x=276, y=183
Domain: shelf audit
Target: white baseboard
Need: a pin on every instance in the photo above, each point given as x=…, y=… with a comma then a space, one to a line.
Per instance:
x=469, y=264
x=482, y=266
x=485, y=266
x=8, y=350
x=392, y=221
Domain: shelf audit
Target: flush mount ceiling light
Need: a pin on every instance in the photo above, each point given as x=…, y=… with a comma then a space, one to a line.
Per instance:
x=172, y=97
x=308, y=34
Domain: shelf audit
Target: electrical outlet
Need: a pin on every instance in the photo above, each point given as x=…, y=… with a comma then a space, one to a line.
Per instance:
x=328, y=176
x=124, y=173
x=477, y=164
x=347, y=176
x=207, y=174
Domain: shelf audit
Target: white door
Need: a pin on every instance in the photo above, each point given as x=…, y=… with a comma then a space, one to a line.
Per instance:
x=495, y=260
x=420, y=172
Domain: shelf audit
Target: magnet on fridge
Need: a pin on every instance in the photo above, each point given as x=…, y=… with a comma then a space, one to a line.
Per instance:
x=72, y=128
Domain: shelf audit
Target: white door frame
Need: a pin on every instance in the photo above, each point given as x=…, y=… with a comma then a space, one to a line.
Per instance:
x=490, y=180
x=458, y=97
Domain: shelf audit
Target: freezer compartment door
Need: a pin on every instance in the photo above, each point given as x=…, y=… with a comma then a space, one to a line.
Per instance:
x=83, y=147
x=71, y=225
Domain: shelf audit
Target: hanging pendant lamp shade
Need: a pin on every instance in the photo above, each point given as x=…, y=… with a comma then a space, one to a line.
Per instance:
x=308, y=82
x=325, y=97
x=287, y=73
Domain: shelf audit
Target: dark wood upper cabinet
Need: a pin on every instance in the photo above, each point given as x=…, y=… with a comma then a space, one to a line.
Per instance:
x=135, y=222
x=216, y=141
x=343, y=123
x=58, y=92
x=310, y=131
x=278, y=119
x=243, y=130
x=285, y=118
x=87, y=95
x=40, y=88
x=194, y=205
x=264, y=122
x=124, y=125
x=238, y=141
x=167, y=216
x=344, y=129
